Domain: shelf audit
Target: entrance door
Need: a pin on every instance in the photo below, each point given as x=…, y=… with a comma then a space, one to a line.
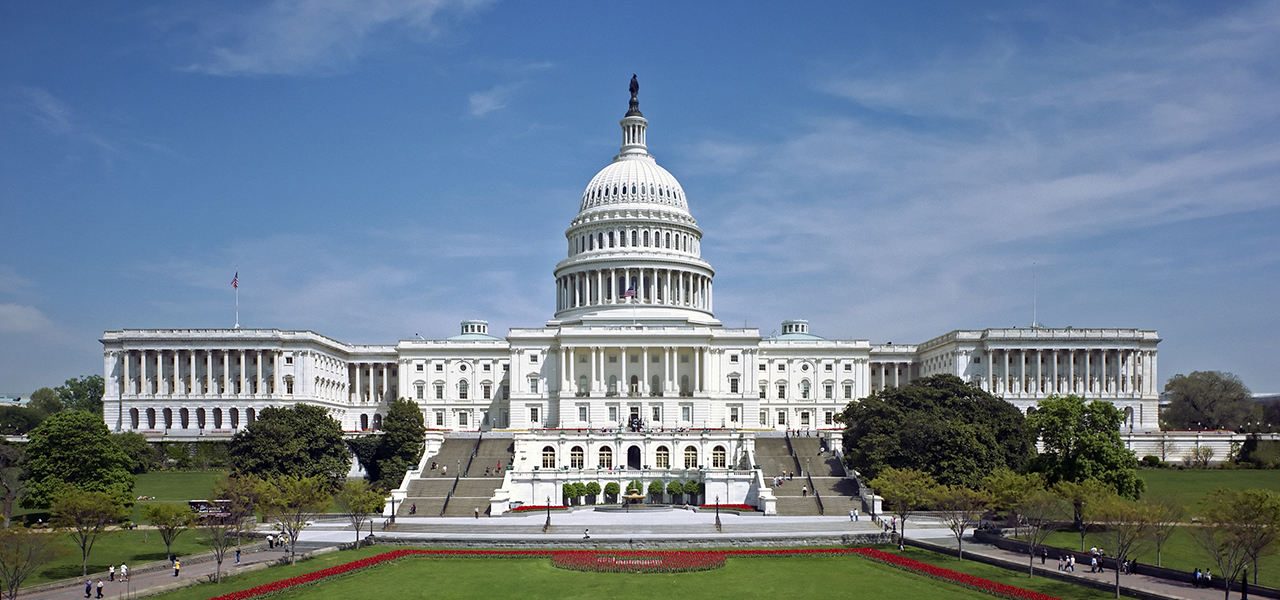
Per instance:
x=633, y=457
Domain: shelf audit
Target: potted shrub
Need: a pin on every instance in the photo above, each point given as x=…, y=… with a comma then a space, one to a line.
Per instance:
x=593, y=490
x=611, y=492
x=655, y=489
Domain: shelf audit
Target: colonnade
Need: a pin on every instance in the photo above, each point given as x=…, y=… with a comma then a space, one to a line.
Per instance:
x=177, y=372
x=213, y=418
x=650, y=286
x=1042, y=372
x=667, y=370
x=901, y=374
x=372, y=381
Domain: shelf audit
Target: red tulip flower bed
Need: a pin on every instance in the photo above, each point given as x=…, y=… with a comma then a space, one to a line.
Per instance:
x=532, y=508
x=664, y=561
x=733, y=507
x=637, y=561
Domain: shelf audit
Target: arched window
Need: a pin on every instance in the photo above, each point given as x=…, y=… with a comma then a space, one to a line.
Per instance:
x=377, y=421
x=600, y=240
x=646, y=239
x=364, y=422
x=633, y=188
x=613, y=384
x=591, y=242
x=633, y=238
x=168, y=418
x=575, y=457
x=200, y=421
x=151, y=418
x=690, y=457
x=610, y=239
x=684, y=385
x=252, y=416
x=663, y=457
x=235, y=418
x=717, y=457
x=184, y=417
x=655, y=385
x=133, y=418
x=606, y=457
x=804, y=389
x=463, y=388
x=548, y=457
x=582, y=385
x=635, y=384
x=217, y=418
x=667, y=238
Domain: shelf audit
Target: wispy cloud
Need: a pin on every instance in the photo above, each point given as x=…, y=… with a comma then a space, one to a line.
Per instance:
x=17, y=318
x=291, y=37
x=57, y=118
x=483, y=103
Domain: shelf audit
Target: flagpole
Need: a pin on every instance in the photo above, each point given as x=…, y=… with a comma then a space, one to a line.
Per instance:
x=235, y=283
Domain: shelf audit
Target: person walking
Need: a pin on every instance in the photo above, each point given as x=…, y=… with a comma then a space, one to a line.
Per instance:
x=1044, y=555
x=804, y=491
x=237, y=556
x=88, y=588
x=177, y=566
x=124, y=572
x=477, y=512
x=99, y=588
x=111, y=573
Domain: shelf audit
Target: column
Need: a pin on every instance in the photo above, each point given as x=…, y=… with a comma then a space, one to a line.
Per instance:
x=897, y=371
x=1005, y=376
x=1103, y=379
x=173, y=380
x=1088, y=372
x=240, y=359
x=591, y=381
x=257, y=385
x=1071, y=371
x=1039, y=372
x=697, y=357
x=991, y=383
x=276, y=378
x=127, y=388
x=644, y=370
x=143, y=386
x=385, y=374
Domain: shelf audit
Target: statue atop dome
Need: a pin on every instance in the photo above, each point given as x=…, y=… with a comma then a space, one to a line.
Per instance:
x=634, y=110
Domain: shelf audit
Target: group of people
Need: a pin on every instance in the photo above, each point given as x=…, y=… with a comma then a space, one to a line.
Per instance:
x=1203, y=579
x=90, y=586
x=784, y=477
x=1067, y=562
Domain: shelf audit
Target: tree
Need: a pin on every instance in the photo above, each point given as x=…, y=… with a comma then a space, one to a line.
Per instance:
x=593, y=491
x=74, y=450
x=1166, y=516
x=675, y=489
x=941, y=425
x=1209, y=400
x=242, y=494
x=655, y=490
x=1082, y=441
x=904, y=490
x=85, y=515
x=22, y=551
x=1237, y=525
x=960, y=508
x=171, y=520
x=359, y=502
x=293, y=502
x=83, y=394
x=222, y=531
x=1041, y=510
x=45, y=400
x=1081, y=495
x=611, y=491
x=693, y=488
x=402, y=442
x=1009, y=488
x=300, y=441
x=1126, y=527
x=12, y=482
x=365, y=449
x=18, y=420
x=134, y=445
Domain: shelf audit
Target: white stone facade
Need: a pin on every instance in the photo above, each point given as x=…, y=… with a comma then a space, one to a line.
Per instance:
x=634, y=345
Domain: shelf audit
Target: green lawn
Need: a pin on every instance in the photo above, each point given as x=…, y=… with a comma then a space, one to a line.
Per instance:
x=173, y=486
x=1189, y=486
x=837, y=577
x=114, y=547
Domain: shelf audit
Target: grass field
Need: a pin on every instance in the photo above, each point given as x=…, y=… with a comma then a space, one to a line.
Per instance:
x=833, y=577
x=114, y=547
x=1189, y=486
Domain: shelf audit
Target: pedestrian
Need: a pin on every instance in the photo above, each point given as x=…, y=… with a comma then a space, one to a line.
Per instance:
x=477, y=512
x=413, y=508
x=88, y=588
x=1196, y=577
x=99, y=588
x=1093, y=564
x=124, y=572
x=111, y=573
x=1071, y=563
x=444, y=470
x=1044, y=555
x=237, y=555
x=804, y=491
x=586, y=534
x=177, y=566
x=1208, y=579
x=852, y=515
x=1062, y=564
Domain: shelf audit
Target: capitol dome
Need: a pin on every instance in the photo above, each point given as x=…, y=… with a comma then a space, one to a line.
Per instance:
x=633, y=180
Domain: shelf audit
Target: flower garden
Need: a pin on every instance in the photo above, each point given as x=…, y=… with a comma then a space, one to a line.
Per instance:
x=641, y=562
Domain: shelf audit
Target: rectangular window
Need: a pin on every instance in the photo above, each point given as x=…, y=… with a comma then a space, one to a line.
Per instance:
x=804, y=418
x=487, y=367
x=288, y=360
x=439, y=391
x=506, y=392
x=827, y=391
x=763, y=389
x=439, y=367
x=763, y=366
x=781, y=367
x=733, y=358
x=733, y=385
x=828, y=418
x=848, y=367
x=439, y=418
x=684, y=358
x=288, y=386
x=782, y=417
x=419, y=367
x=686, y=413
x=582, y=359
x=613, y=358
x=848, y=392
x=533, y=414
x=613, y=414
x=977, y=360
x=582, y=414
x=533, y=386
x=764, y=417
x=657, y=414
x=654, y=358
x=635, y=358
x=462, y=419
x=488, y=389
x=829, y=367
x=782, y=391
x=533, y=358
x=733, y=414
x=418, y=391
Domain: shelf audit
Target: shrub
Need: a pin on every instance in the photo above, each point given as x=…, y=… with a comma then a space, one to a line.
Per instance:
x=655, y=489
x=675, y=488
x=1151, y=461
x=611, y=491
x=593, y=490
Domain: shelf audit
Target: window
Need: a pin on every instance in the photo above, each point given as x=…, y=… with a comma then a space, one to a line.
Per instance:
x=684, y=358
x=613, y=358
x=487, y=389
x=575, y=457
x=288, y=360
x=439, y=368
x=606, y=457
x=548, y=456
x=781, y=367
x=653, y=358
x=657, y=414
x=804, y=390
x=804, y=418
x=418, y=391
x=533, y=358
x=733, y=358
x=782, y=417
x=635, y=358
x=582, y=414
x=717, y=457
x=439, y=391
x=533, y=385
x=827, y=391
x=848, y=368
x=686, y=413
x=782, y=391
x=613, y=414
x=848, y=391
x=610, y=239
x=288, y=386
x=828, y=418
x=977, y=360
x=420, y=365
x=646, y=238
x=733, y=414
x=633, y=238
x=487, y=367
x=439, y=418
x=462, y=419
x=690, y=457
x=663, y=457
x=463, y=389
x=582, y=359
x=733, y=385
x=763, y=388
x=582, y=385
x=533, y=414
x=829, y=366
x=764, y=417
x=763, y=366
x=613, y=384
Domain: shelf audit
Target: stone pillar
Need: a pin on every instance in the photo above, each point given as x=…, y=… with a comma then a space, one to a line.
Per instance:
x=644, y=370
x=257, y=385
x=144, y=388
x=593, y=378
x=127, y=387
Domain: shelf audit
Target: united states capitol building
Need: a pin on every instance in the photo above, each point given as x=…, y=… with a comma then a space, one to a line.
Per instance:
x=633, y=371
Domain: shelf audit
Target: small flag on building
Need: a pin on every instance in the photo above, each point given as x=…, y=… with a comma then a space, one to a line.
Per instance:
x=630, y=293
x=235, y=281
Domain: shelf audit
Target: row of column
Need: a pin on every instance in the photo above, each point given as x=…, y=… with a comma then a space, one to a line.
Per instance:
x=1117, y=373
x=596, y=380
x=901, y=373
x=151, y=379
x=652, y=286
x=367, y=378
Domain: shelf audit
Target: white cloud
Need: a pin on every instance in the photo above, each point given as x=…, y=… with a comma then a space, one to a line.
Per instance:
x=58, y=119
x=16, y=318
x=483, y=103
x=288, y=37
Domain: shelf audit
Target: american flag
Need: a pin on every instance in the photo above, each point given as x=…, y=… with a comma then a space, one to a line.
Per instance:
x=630, y=293
x=235, y=281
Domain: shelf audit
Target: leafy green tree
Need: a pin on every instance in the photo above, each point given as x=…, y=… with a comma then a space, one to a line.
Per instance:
x=244, y=495
x=1236, y=527
x=611, y=491
x=84, y=394
x=45, y=400
x=904, y=491
x=693, y=489
x=18, y=420
x=85, y=515
x=22, y=552
x=1126, y=527
x=1209, y=400
x=142, y=456
x=960, y=509
x=359, y=502
x=675, y=489
x=655, y=489
x=941, y=425
x=1082, y=495
x=1082, y=441
x=74, y=450
x=566, y=491
x=593, y=491
x=1009, y=488
x=171, y=520
x=365, y=449
x=293, y=503
x=579, y=490
x=1040, y=510
x=13, y=474
x=402, y=442
x=300, y=441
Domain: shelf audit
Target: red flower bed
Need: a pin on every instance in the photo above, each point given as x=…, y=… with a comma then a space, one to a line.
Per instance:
x=672, y=561
x=745, y=507
x=637, y=561
x=532, y=508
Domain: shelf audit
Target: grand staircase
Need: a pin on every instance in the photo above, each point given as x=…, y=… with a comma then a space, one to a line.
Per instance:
x=836, y=494
x=458, y=486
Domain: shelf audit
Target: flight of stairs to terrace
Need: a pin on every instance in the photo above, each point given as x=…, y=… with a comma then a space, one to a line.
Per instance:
x=839, y=494
x=774, y=457
x=474, y=489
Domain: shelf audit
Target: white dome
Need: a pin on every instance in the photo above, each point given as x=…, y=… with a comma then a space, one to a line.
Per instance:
x=634, y=180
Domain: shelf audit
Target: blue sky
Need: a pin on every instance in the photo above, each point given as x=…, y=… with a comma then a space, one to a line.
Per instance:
x=890, y=172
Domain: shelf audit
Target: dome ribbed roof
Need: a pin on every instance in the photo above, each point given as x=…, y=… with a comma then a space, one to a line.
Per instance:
x=634, y=180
